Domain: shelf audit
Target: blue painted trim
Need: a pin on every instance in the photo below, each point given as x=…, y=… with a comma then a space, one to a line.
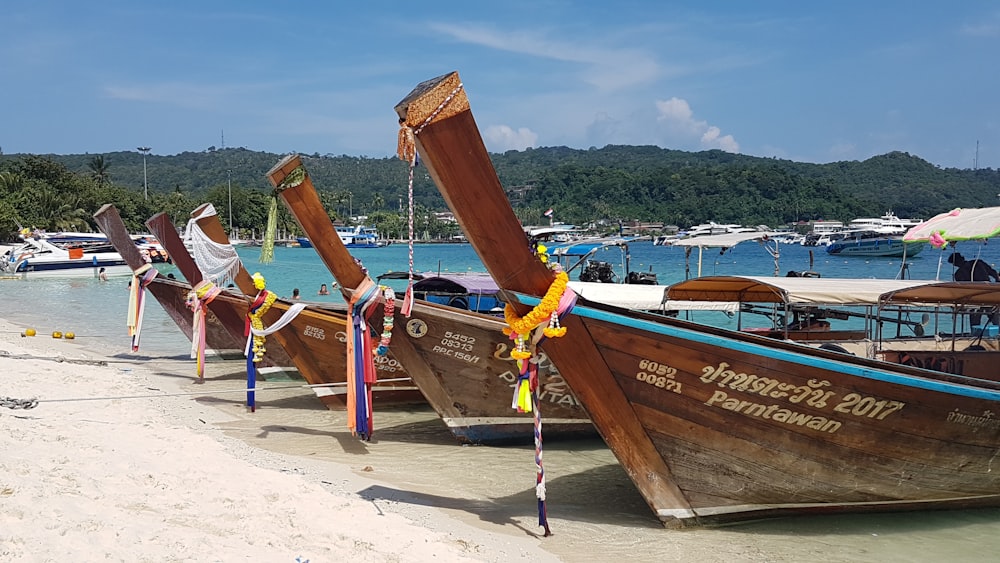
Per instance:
x=776, y=353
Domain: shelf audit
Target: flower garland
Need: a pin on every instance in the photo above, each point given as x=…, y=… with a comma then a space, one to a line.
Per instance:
x=544, y=311
x=266, y=299
x=387, y=320
x=255, y=314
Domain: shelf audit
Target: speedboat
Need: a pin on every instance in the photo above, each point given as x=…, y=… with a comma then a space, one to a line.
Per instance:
x=38, y=257
x=352, y=237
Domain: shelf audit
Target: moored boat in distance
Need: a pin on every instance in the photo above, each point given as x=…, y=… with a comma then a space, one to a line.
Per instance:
x=36, y=257
x=358, y=236
x=873, y=244
x=713, y=425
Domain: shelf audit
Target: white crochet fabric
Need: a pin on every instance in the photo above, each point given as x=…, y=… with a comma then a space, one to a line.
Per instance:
x=218, y=263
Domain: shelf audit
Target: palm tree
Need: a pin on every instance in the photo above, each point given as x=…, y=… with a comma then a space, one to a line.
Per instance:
x=99, y=170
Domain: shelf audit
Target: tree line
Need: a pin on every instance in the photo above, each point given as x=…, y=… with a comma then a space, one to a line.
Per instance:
x=604, y=186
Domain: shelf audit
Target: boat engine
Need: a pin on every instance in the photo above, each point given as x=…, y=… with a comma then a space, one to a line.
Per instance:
x=641, y=278
x=596, y=271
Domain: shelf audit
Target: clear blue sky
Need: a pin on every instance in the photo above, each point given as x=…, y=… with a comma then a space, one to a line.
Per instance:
x=802, y=80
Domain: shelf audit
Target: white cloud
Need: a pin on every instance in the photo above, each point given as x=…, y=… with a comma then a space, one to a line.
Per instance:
x=176, y=94
x=608, y=69
x=680, y=128
x=502, y=138
x=981, y=30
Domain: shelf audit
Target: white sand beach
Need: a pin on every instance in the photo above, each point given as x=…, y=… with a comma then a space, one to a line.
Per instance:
x=157, y=480
x=182, y=472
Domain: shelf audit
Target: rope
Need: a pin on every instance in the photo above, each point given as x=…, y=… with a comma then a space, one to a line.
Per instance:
x=406, y=149
x=13, y=403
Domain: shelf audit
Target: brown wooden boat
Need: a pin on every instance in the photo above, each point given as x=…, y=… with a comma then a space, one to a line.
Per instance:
x=314, y=339
x=230, y=307
x=459, y=359
x=170, y=294
x=713, y=425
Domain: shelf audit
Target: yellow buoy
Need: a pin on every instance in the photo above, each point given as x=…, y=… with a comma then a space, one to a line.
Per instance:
x=69, y=336
x=29, y=332
x=57, y=334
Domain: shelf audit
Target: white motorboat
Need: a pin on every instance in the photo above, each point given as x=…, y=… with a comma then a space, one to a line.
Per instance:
x=40, y=258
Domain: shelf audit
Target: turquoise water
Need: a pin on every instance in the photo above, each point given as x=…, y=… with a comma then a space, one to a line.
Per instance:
x=96, y=310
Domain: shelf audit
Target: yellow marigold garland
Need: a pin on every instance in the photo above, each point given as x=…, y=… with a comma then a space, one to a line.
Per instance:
x=256, y=316
x=544, y=311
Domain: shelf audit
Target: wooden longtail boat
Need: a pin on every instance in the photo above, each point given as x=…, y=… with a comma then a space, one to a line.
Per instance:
x=229, y=307
x=710, y=424
x=460, y=360
x=314, y=339
x=170, y=294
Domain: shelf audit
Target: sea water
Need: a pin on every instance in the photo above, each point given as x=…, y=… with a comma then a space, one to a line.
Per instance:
x=595, y=509
x=97, y=310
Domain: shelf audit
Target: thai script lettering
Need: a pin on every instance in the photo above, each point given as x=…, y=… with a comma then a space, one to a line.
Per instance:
x=985, y=420
x=814, y=393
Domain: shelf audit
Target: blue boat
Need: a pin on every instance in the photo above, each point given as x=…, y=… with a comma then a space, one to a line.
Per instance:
x=353, y=237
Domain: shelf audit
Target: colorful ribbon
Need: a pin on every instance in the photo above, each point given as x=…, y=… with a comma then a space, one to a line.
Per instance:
x=361, y=373
x=197, y=300
x=141, y=278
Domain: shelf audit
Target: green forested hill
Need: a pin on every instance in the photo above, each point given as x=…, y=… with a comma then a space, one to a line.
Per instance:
x=611, y=184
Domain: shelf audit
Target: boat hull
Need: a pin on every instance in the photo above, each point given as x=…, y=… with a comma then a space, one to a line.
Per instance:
x=751, y=428
x=82, y=268
x=470, y=377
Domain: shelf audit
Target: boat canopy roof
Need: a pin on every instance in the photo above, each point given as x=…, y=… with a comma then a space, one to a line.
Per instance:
x=472, y=283
x=643, y=297
x=477, y=283
x=958, y=225
x=586, y=247
x=724, y=240
x=790, y=290
x=952, y=293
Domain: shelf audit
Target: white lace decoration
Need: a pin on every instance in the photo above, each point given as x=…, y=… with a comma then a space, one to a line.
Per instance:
x=218, y=263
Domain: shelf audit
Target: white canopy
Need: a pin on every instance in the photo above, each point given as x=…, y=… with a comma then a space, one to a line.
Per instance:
x=814, y=291
x=722, y=241
x=643, y=297
x=958, y=224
